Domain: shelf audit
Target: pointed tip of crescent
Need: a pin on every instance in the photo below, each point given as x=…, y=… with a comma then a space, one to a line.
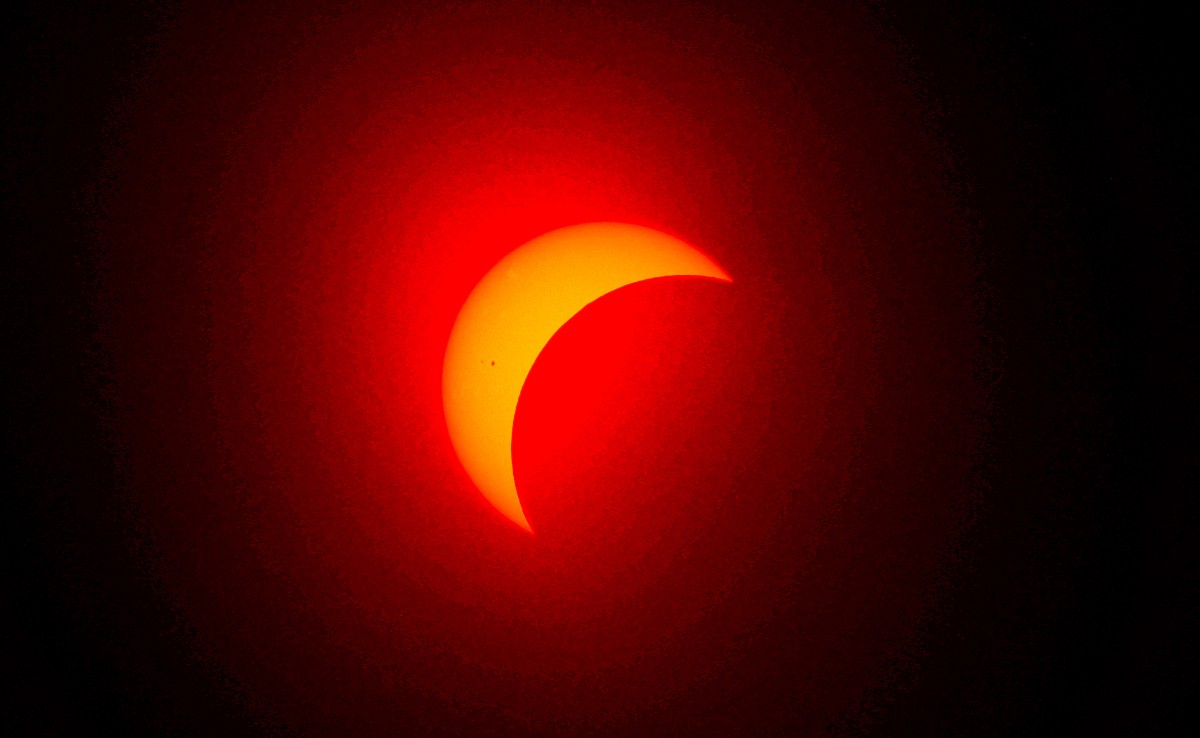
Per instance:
x=520, y=519
x=716, y=271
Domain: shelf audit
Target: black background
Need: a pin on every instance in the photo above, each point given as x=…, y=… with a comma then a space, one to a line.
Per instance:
x=1068, y=615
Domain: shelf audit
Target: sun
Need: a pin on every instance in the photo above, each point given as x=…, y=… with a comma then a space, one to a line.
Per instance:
x=514, y=311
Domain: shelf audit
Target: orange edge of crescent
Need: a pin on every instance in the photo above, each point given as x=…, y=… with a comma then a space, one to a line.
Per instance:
x=511, y=315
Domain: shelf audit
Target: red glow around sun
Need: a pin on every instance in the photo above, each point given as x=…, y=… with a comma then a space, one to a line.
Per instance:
x=722, y=476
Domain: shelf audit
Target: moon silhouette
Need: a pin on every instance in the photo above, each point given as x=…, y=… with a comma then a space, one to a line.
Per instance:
x=512, y=314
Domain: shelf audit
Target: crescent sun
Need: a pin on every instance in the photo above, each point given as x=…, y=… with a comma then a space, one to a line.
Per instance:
x=512, y=314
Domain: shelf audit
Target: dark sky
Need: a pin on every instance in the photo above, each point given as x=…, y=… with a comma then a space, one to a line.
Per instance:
x=1000, y=540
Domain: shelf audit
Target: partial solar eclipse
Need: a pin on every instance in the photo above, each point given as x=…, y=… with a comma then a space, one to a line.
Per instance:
x=512, y=314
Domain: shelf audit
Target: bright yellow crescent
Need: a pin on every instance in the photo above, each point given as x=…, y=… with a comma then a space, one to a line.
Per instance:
x=511, y=315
